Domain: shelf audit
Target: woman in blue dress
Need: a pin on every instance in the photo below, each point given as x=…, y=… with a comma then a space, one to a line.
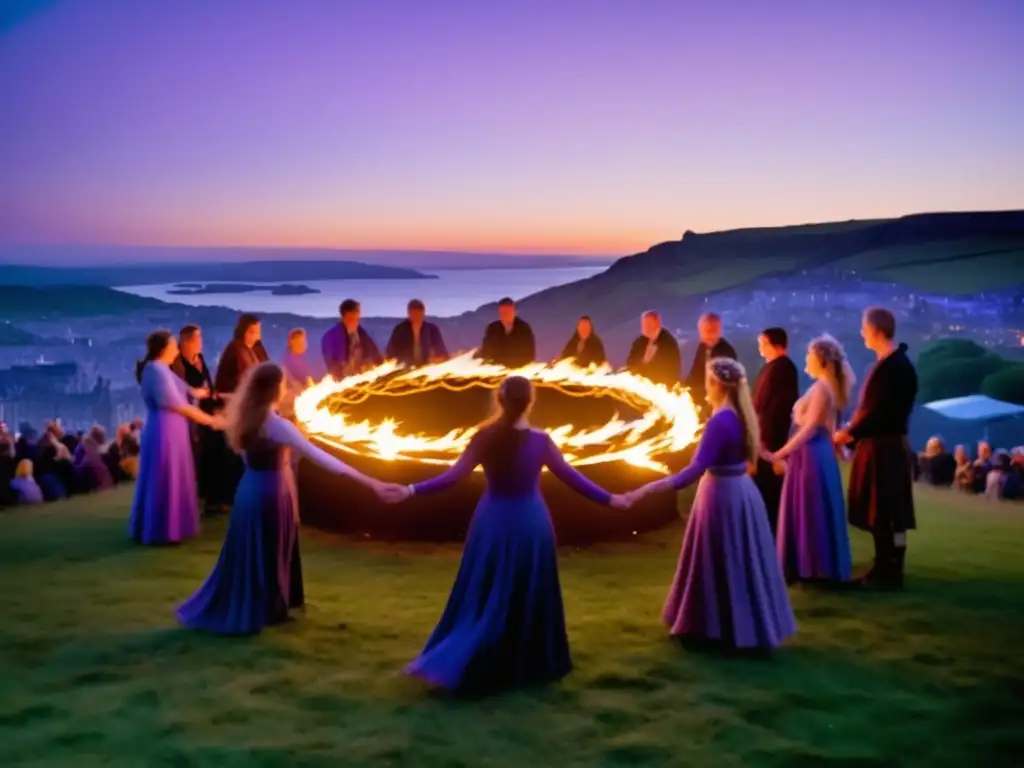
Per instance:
x=813, y=540
x=165, y=509
x=728, y=587
x=258, y=577
x=504, y=625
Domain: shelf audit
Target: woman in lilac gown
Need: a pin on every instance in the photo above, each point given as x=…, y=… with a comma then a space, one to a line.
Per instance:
x=504, y=625
x=728, y=586
x=258, y=576
x=166, y=506
x=813, y=540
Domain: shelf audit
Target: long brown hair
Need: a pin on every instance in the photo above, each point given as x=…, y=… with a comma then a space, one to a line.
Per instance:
x=733, y=378
x=249, y=408
x=503, y=440
x=245, y=322
x=156, y=343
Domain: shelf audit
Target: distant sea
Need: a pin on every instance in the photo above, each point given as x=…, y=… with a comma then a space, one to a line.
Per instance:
x=453, y=292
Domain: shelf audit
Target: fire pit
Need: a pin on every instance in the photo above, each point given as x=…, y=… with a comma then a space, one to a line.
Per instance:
x=407, y=425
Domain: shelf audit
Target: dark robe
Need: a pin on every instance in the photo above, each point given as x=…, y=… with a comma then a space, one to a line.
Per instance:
x=402, y=344
x=513, y=349
x=881, y=497
x=664, y=367
x=209, y=448
x=590, y=352
x=695, y=379
x=775, y=393
x=234, y=361
x=260, y=351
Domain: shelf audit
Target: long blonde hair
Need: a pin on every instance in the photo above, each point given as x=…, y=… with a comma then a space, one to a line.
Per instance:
x=838, y=371
x=250, y=407
x=733, y=378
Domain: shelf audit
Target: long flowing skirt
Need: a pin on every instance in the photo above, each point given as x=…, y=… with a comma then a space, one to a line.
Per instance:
x=258, y=576
x=504, y=624
x=728, y=585
x=165, y=509
x=813, y=540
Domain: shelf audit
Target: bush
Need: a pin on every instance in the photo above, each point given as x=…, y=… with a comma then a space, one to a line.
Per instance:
x=1006, y=384
x=957, y=377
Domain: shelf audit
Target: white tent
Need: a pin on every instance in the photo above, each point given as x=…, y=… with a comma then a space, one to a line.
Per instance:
x=975, y=408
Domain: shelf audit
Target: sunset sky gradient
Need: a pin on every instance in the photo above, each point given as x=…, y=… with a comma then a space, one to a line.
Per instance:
x=519, y=126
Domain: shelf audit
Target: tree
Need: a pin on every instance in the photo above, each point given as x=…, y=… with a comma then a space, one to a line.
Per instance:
x=1006, y=384
x=957, y=377
x=945, y=350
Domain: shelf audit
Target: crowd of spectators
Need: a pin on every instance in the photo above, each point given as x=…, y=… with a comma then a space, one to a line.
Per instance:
x=997, y=475
x=37, y=467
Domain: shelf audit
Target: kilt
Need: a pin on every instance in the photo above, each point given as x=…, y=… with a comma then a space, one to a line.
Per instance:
x=881, y=494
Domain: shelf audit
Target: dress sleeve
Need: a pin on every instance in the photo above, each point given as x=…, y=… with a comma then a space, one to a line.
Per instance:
x=166, y=389
x=467, y=462
x=283, y=432
x=708, y=452
x=560, y=468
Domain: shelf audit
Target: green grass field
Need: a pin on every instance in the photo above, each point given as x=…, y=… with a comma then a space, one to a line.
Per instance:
x=94, y=671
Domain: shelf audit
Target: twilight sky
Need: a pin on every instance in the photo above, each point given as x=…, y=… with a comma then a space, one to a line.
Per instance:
x=561, y=126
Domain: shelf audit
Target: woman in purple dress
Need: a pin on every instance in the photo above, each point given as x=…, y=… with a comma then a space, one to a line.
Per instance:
x=813, y=540
x=504, y=625
x=258, y=577
x=166, y=506
x=728, y=586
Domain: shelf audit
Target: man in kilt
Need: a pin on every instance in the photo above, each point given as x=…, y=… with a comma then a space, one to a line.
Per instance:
x=881, y=499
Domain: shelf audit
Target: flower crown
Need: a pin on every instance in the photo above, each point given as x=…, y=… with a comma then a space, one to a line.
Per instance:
x=727, y=370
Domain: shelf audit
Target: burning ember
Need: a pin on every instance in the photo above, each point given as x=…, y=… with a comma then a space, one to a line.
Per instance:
x=667, y=420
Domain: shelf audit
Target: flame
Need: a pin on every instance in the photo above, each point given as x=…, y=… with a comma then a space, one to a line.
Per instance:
x=669, y=422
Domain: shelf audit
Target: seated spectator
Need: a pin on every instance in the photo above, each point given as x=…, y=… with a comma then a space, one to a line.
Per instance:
x=130, y=457
x=54, y=469
x=91, y=472
x=24, y=486
x=963, y=479
x=115, y=452
x=7, y=466
x=938, y=467
x=1012, y=481
x=982, y=466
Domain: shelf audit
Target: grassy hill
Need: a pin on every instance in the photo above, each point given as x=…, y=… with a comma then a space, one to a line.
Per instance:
x=942, y=252
x=93, y=669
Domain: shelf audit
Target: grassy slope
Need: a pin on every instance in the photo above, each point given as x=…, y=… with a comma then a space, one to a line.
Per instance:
x=93, y=670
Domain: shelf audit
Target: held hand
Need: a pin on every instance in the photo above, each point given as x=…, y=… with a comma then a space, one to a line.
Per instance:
x=842, y=437
x=201, y=393
x=779, y=467
x=392, y=493
x=620, y=501
x=218, y=422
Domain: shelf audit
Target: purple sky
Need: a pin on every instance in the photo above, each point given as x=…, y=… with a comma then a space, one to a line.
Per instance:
x=566, y=126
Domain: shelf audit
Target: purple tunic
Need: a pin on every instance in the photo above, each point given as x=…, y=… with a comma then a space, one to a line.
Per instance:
x=504, y=625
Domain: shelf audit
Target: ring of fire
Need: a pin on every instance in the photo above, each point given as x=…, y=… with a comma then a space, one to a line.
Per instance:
x=666, y=422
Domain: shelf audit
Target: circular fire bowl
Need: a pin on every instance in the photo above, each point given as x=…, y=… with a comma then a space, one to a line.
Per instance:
x=336, y=503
